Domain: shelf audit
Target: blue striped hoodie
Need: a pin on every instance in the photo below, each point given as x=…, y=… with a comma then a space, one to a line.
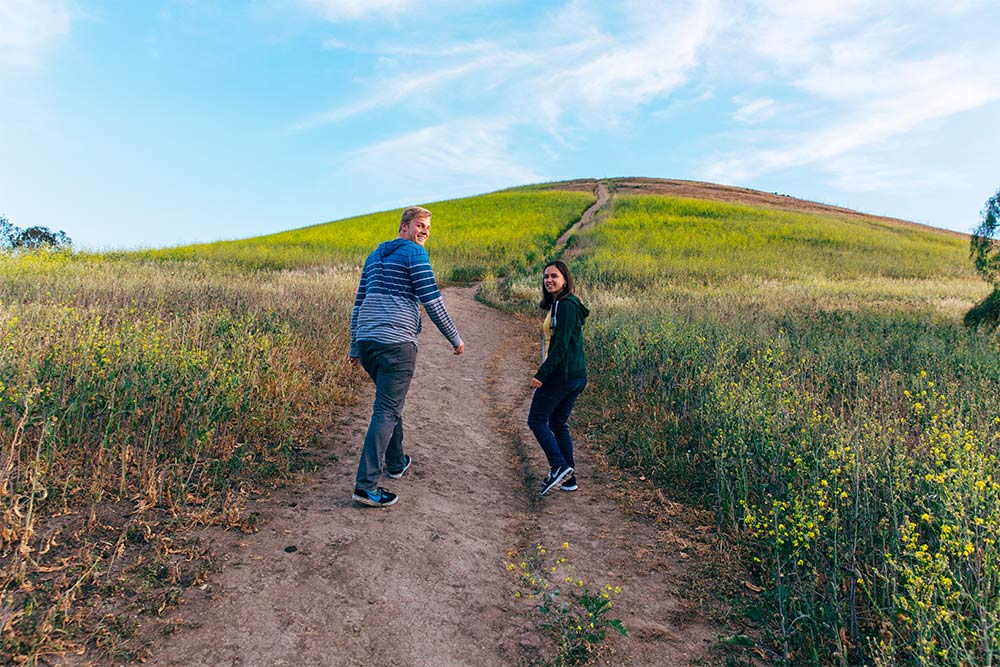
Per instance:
x=397, y=278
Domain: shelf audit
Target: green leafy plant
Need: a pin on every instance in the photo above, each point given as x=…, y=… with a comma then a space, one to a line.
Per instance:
x=576, y=616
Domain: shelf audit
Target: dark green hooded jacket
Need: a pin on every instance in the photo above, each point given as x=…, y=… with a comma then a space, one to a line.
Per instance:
x=565, y=360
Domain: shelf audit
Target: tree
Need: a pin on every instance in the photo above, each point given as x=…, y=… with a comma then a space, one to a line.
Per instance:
x=7, y=231
x=985, y=251
x=31, y=239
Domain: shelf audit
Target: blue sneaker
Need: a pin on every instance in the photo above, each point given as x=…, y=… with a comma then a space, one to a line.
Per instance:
x=555, y=478
x=377, y=498
x=406, y=466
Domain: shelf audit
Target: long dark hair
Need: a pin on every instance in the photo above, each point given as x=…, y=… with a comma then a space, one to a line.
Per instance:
x=547, y=297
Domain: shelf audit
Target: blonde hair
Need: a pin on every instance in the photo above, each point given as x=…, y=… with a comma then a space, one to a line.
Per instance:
x=413, y=213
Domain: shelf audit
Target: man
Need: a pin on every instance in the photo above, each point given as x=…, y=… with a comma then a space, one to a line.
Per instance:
x=385, y=323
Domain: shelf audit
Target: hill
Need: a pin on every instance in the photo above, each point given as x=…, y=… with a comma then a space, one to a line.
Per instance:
x=798, y=370
x=729, y=194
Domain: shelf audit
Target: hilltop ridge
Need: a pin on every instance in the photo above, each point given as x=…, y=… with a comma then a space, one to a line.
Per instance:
x=729, y=194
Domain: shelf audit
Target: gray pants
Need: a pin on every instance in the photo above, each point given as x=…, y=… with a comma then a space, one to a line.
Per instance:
x=390, y=366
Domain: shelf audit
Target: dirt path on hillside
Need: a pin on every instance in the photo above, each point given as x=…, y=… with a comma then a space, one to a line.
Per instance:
x=424, y=582
x=603, y=194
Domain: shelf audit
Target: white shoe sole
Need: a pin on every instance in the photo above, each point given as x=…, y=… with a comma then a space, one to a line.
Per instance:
x=397, y=475
x=365, y=500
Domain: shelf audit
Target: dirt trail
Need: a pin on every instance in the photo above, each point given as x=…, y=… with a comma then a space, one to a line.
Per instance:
x=423, y=582
x=603, y=195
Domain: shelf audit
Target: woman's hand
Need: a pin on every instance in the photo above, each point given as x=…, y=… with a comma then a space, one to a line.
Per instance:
x=535, y=383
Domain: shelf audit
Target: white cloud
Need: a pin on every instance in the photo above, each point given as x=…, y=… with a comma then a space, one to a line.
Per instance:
x=791, y=33
x=578, y=71
x=858, y=88
x=474, y=152
x=335, y=44
x=872, y=173
x=903, y=99
x=755, y=111
x=353, y=10
x=404, y=89
x=600, y=75
x=29, y=27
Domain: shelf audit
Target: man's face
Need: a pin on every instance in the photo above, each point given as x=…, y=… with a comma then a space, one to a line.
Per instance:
x=417, y=230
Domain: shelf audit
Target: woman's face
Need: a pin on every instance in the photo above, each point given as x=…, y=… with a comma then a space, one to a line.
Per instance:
x=553, y=280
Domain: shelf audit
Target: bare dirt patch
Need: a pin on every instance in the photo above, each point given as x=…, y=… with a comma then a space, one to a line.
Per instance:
x=603, y=194
x=424, y=582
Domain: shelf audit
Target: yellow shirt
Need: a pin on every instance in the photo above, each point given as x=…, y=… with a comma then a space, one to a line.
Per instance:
x=546, y=335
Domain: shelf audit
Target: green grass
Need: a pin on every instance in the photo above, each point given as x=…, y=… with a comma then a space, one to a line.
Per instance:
x=178, y=381
x=805, y=375
x=173, y=388
x=497, y=233
x=809, y=378
x=672, y=240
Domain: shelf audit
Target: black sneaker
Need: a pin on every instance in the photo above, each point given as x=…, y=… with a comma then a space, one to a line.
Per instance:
x=569, y=484
x=555, y=478
x=406, y=466
x=377, y=498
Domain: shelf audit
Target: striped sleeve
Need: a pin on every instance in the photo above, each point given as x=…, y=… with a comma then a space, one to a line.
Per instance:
x=358, y=300
x=426, y=289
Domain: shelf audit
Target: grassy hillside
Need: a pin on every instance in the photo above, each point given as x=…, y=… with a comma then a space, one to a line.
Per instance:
x=495, y=233
x=808, y=377
x=143, y=392
x=799, y=368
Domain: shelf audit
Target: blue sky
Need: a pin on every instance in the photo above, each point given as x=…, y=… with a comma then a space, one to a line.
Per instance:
x=139, y=123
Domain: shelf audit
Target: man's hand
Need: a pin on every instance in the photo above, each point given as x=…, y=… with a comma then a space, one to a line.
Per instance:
x=535, y=383
x=356, y=362
x=459, y=349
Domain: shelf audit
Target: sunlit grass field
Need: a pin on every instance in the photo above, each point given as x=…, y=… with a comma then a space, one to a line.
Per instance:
x=496, y=233
x=805, y=375
x=809, y=378
x=144, y=392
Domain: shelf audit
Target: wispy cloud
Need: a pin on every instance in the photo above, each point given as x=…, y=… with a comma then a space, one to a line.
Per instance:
x=352, y=10
x=607, y=75
x=577, y=71
x=811, y=83
x=754, y=111
x=858, y=89
x=29, y=27
x=873, y=173
x=468, y=151
x=398, y=91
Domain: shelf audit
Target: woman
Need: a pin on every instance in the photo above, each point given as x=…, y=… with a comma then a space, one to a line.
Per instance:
x=561, y=377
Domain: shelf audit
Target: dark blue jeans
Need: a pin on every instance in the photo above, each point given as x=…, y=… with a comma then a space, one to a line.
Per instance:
x=390, y=367
x=550, y=408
